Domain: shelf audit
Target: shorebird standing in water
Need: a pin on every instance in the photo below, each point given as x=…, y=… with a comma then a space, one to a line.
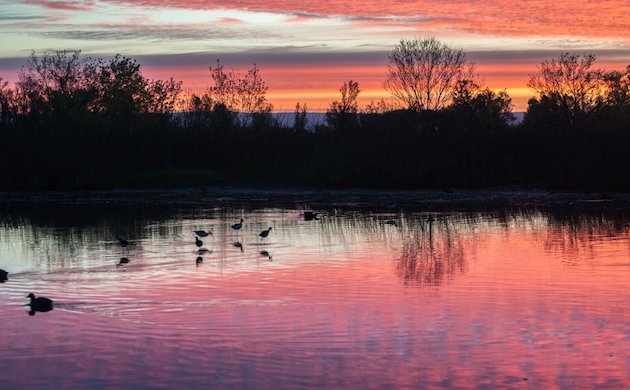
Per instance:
x=238, y=226
x=265, y=233
x=198, y=242
x=203, y=233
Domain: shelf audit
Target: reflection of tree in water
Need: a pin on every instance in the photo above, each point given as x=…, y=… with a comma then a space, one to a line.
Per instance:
x=580, y=235
x=435, y=253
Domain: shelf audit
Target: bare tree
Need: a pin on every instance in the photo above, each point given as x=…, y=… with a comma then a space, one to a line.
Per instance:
x=60, y=81
x=423, y=73
x=239, y=93
x=570, y=84
x=343, y=114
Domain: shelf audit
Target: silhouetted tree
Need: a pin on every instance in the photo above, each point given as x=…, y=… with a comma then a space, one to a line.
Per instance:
x=60, y=82
x=6, y=96
x=379, y=107
x=482, y=107
x=342, y=115
x=423, y=73
x=569, y=85
x=617, y=87
x=300, y=119
x=235, y=93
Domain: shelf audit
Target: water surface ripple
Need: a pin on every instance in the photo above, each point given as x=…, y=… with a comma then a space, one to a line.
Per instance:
x=446, y=297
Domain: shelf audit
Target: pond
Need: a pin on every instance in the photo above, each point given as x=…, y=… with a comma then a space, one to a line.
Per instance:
x=377, y=290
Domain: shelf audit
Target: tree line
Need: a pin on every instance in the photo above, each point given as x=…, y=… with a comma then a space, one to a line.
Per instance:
x=72, y=122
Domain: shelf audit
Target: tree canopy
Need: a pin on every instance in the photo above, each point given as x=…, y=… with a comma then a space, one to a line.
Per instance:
x=423, y=73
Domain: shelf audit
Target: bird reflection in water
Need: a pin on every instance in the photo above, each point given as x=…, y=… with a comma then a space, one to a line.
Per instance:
x=266, y=254
x=40, y=304
x=198, y=260
x=238, y=244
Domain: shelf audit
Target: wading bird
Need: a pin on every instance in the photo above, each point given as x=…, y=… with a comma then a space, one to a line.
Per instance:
x=203, y=233
x=198, y=242
x=265, y=233
x=238, y=226
x=122, y=242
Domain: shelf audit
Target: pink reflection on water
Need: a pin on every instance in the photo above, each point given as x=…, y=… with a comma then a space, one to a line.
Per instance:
x=460, y=304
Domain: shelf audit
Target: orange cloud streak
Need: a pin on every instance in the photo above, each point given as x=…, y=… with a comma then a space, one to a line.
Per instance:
x=584, y=18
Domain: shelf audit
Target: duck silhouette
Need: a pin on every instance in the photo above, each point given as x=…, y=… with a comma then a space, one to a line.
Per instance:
x=40, y=304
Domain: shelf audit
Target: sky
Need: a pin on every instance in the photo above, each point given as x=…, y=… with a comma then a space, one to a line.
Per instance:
x=305, y=50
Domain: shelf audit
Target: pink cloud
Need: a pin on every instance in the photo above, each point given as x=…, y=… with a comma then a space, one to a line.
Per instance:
x=584, y=18
x=85, y=5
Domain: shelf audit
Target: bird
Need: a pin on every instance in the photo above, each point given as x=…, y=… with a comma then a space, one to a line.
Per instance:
x=238, y=245
x=4, y=275
x=198, y=242
x=265, y=233
x=238, y=226
x=39, y=304
x=266, y=254
x=203, y=233
x=309, y=216
x=199, y=260
x=122, y=242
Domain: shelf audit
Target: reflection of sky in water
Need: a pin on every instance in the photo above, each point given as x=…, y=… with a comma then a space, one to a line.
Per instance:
x=472, y=298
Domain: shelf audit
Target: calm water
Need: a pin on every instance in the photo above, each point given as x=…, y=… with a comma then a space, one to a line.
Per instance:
x=497, y=295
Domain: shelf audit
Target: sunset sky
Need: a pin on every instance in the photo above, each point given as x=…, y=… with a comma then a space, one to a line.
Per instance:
x=307, y=49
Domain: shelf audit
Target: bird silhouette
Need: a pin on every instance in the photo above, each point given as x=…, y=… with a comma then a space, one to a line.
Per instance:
x=238, y=226
x=203, y=233
x=123, y=261
x=266, y=254
x=198, y=242
x=122, y=242
x=265, y=233
x=40, y=304
x=309, y=216
x=238, y=245
x=4, y=276
x=199, y=260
